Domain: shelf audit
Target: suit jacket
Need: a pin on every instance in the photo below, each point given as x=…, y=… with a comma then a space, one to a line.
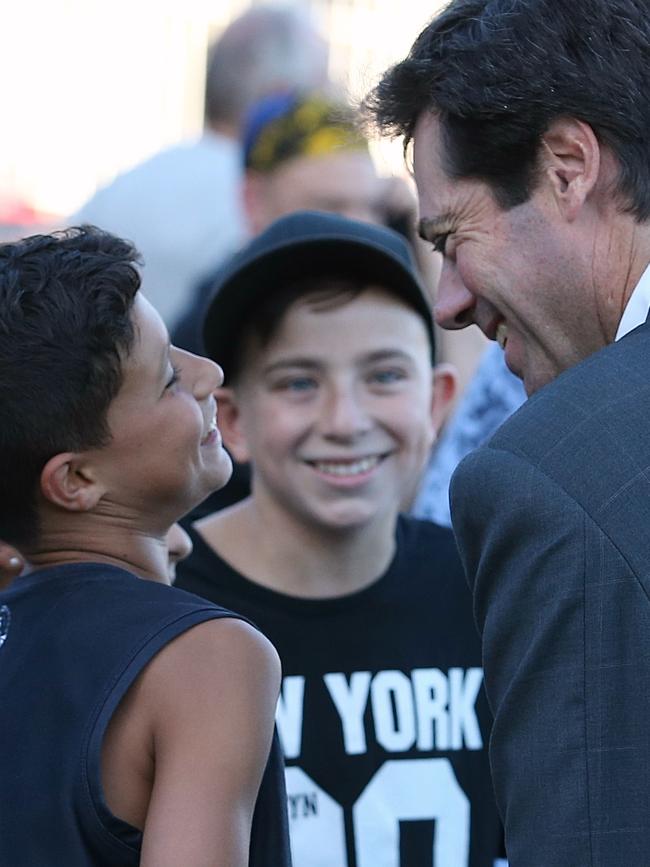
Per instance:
x=552, y=517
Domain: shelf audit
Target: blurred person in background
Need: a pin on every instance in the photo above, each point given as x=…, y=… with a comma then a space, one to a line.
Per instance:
x=301, y=150
x=491, y=397
x=182, y=207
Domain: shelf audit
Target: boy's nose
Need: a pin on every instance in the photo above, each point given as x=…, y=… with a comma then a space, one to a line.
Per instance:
x=204, y=375
x=344, y=417
x=209, y=379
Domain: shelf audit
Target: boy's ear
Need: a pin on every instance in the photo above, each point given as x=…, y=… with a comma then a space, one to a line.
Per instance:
x=445, y=384
x=69, y=482
x=229, y=423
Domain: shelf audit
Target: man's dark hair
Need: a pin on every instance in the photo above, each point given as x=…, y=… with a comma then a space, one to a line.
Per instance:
x=65, y=328
x=498, y=72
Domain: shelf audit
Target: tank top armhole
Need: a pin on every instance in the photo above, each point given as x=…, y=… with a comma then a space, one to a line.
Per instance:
x=113, y=831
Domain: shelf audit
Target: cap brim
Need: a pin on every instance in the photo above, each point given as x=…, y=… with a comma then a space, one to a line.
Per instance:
x=241, y=287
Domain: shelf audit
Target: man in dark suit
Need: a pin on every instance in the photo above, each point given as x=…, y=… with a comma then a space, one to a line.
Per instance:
x=530, y=124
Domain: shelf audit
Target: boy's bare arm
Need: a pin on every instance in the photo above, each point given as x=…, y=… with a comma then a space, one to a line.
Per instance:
x=212, y=695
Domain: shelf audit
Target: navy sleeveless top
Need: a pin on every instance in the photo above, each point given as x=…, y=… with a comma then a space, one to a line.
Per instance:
x=72, y=640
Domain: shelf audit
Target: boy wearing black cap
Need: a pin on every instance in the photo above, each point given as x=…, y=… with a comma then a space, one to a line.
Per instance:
x=326, y=341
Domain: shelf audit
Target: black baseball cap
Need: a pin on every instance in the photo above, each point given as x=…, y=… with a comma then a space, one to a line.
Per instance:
x=301, y=245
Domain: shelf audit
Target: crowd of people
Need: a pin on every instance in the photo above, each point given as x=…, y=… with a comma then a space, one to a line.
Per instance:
x=337, y=677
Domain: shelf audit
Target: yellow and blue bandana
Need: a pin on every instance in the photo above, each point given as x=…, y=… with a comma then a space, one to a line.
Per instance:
x=286, y=125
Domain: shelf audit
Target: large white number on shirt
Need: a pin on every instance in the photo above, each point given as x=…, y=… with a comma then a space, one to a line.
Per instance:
x=316, y=824
x=401, y=791
x=410, y=790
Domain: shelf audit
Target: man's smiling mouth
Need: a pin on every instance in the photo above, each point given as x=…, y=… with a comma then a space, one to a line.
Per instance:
x=501, y=336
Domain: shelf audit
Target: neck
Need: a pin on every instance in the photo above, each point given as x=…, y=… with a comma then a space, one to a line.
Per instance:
x=85, y=538
x=271, y=547
x=622, y=271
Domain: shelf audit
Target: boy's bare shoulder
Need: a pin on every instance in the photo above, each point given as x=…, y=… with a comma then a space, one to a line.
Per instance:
x=217, y=655
x=205, y=705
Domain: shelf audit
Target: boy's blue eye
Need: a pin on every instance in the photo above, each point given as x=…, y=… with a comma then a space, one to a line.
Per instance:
x=299, y=383
x=387, y=377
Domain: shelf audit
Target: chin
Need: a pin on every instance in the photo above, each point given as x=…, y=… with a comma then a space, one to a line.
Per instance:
x=220, y=474
x=536, y=381
x=346, y=520
x=211, y=478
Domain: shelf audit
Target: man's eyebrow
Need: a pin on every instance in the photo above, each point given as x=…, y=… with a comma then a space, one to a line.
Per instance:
x=430, y=226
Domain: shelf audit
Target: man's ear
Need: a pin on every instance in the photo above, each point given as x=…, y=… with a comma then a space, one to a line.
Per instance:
x=571, y=162
x=445, y=383
x=69, y=482
x=229, y=423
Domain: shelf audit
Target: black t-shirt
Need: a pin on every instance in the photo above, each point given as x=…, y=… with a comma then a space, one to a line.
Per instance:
x=72, y=640
x=382, y=716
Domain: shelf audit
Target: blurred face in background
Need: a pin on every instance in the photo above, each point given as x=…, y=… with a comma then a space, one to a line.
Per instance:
x=343, y=182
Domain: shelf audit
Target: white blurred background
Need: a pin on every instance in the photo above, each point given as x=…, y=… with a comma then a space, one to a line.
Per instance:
x=90, y=88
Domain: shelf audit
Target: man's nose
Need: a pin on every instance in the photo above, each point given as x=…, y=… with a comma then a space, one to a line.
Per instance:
x=454, y=307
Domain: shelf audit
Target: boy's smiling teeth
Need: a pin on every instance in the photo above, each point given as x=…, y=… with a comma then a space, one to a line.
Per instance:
x=347, y=468
x=212, y=428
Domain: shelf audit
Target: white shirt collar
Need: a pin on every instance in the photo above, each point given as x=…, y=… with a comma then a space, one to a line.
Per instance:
x=636, y=309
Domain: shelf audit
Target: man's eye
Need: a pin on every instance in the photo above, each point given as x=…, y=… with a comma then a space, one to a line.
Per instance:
x=439, y=242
